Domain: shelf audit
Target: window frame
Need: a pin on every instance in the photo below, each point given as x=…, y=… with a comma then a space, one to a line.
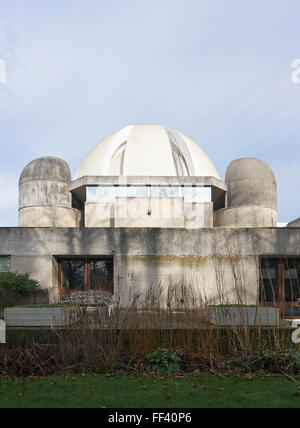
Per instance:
x=280, y=303
x=87, y=274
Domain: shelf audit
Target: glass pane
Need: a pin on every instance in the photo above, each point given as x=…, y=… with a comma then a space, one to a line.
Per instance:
x=133, y=192
x=166, y=192
x=269, y=281
x=109, y=193
x=292, y=277
x=269, y=273
x=4, y=264
x=197, y=194
x=101, y=275
x=72, y=272
x=101, y=194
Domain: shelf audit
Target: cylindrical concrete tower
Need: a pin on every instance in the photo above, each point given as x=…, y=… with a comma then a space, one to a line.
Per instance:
x=44, y=196
x=251, y=196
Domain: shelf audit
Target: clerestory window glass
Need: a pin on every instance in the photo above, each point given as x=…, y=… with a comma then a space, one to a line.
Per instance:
x=107, y=194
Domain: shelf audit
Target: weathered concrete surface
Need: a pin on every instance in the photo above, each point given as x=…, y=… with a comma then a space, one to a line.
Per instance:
x=45, y=181
x=243, y=316
x=49, y=216
x=246, y=216
x=197, y=215
x=99, y=214
x=207, y=259
x=46, y=168
x=294, y=223
x=38, y=317
x=78, y=187
x=251, y=196
x=131, y=241
x=45, y=199
x=190, y=279
x=44, y=193
x=149, y=213
x=250, y=182
x=166, y=337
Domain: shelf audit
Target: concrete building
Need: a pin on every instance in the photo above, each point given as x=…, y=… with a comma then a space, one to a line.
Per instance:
x=147, y=208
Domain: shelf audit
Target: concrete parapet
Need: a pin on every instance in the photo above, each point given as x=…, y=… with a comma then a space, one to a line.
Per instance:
x=246, y=216
x=49, y=216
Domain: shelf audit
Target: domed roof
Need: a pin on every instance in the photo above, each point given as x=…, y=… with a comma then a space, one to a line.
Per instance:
x=251, y=182
x=46, y=168
x=244, y=168
x=147, y=150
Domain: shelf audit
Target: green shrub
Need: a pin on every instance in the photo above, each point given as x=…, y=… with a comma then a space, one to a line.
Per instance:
x=163, y=361
x=14, y=287
x=237, y=363
x=289, y=359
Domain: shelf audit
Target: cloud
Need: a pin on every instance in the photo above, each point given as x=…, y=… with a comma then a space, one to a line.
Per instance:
x=219, y=71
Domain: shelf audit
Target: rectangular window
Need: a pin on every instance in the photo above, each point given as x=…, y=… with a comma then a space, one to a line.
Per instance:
x=101, y=275
x=4, y=263
x=73, y=274
x=269, y=281
x=107, y=194
x=280, y=285
x=292, y=282
x=85, y=274
x=101, y=194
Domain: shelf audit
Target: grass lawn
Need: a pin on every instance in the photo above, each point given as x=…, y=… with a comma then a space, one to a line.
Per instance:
x=149, y=392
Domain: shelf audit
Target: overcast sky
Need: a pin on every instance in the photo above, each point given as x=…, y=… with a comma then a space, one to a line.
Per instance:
x=218, y=71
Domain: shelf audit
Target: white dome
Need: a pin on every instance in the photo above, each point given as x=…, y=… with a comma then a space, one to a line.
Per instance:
x=147, y=150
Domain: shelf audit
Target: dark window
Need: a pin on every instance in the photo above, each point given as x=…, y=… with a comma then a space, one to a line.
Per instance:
x=101, y=275
x=291, y=279
x=85, y=274
x=280, y=285
x=4, y=263
x=73, y=274
x=291, y=287
x=269, y=281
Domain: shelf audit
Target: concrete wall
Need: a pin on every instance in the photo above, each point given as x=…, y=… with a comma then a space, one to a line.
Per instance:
x=48, y=216
x=250, y=182
x=246, y=216
x=197, y=215
x=203, y=258
x=188, y=279
x=41, y=268
x=45, y=199
x=149, y=212
x=294, y=223
x=41, y=192
x=99, y=214
x=251, y=196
